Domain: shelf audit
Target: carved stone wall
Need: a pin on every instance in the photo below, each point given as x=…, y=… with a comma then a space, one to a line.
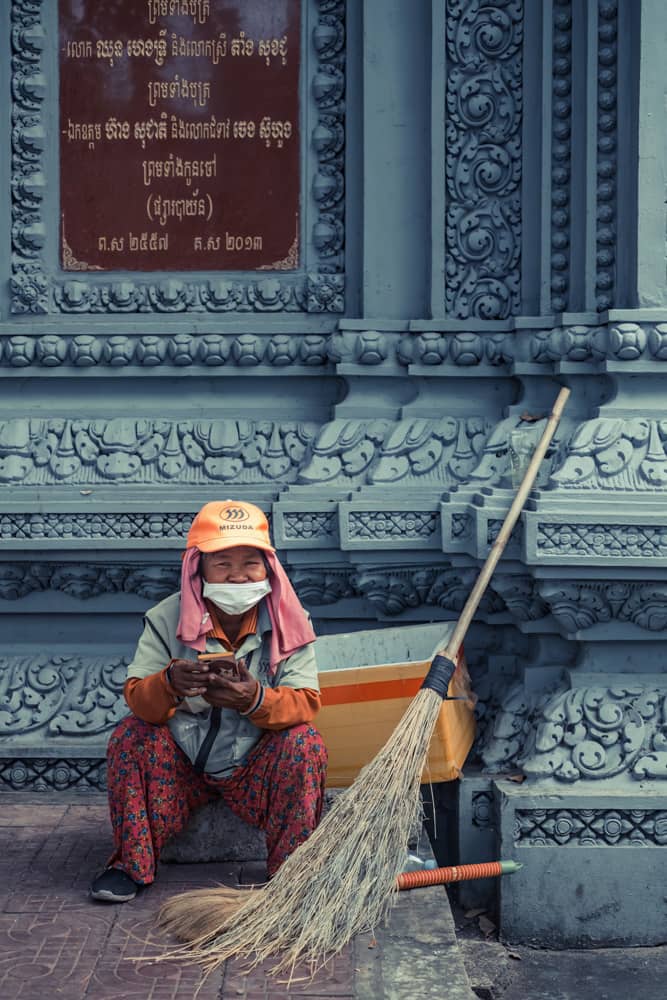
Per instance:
x=472, y=242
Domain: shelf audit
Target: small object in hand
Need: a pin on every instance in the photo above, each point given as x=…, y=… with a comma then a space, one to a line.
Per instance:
x=222, y=664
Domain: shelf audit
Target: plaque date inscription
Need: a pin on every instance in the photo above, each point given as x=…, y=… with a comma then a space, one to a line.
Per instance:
x=179, y=135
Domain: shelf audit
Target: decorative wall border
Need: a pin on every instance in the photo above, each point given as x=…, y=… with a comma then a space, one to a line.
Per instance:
x=320, y=289
x=589, y=348
x=573, y=539
x=82, y=527
x=574, y=605
x=435, y=454
x=390, y=590
x=125, y=450
x=32, y=774
x=167, y=351
x=590, y=827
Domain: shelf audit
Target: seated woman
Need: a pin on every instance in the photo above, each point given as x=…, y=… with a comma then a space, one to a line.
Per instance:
x=237, y=728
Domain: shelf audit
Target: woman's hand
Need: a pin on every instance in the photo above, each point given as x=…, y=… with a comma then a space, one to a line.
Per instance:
x=189, y=678
x=227, y=691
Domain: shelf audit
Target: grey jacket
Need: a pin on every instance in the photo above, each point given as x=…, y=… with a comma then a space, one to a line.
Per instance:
x=227, y=735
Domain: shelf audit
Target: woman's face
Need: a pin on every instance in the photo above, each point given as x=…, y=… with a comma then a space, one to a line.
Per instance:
x=241, y=564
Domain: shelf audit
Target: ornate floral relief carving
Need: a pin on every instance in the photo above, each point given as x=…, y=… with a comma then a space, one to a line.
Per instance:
x=438, y=452
x=41, y=775
x=441, y=452
x=29, y=285
x=325, y=293
x=507, y=714
x=390, y=589
x=88, y=580
x=607, y=154
x=579, y=733
x=321, y=587
x=61, y=695
x=320, y=290
x=483, y=158
x=577, y=606
x=521, y=596
x=328, y=185
x=494, y=467
x=344, y=449
x=590, y=827
x=395, y=589
x=561, y=127
x=616, y=454
x=126, y=450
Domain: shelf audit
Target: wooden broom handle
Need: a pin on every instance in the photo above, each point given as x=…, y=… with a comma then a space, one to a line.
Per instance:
x=512, y=517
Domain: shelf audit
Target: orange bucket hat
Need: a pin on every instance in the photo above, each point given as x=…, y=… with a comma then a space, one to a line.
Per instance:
x=222, y=524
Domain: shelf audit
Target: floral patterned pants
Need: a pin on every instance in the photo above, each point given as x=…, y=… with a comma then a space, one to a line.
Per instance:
x=153, y=788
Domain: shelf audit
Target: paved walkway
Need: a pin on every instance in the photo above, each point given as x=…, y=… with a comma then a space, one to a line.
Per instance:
x=57, y=944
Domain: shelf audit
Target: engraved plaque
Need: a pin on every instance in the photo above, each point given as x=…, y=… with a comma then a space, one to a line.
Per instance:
x=179, y=135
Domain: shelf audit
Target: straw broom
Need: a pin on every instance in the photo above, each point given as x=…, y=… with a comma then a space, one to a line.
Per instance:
x=343, y=879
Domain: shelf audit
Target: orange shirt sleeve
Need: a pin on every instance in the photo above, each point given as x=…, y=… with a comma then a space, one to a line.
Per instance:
x=151, y=698
x=283, y=707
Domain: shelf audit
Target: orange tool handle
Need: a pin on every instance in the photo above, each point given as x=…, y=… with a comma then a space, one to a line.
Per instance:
x=457, y=873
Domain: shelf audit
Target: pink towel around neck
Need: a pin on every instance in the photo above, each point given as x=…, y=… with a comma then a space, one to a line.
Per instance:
x=290, y=627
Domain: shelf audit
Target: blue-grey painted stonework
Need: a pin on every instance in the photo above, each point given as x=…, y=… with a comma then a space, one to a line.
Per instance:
x=484, y=217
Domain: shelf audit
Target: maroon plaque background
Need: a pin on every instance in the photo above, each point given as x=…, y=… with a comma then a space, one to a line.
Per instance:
x=179, y=134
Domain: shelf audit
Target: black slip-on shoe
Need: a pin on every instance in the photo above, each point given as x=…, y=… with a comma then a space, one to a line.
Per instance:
x=114, y=886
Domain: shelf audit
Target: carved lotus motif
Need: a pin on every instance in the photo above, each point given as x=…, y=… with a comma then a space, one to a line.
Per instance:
x=222, y=437
x=118, y=465
x=615, y=454
x=15, y=451
x=171, y=461
x=225, y=468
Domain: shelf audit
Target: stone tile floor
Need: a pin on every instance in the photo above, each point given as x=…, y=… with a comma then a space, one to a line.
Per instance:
x=57, y=944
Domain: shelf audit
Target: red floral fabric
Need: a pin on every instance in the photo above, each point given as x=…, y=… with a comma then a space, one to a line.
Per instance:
x=153, y=789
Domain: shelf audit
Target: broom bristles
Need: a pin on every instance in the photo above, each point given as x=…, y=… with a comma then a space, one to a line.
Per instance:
x=198, y=915
x=339, y=882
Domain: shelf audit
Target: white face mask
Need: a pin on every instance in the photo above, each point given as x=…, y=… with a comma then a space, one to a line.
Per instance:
x=236, y=598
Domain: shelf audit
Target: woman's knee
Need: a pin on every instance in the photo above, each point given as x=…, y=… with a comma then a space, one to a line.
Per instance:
x=304, y=744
